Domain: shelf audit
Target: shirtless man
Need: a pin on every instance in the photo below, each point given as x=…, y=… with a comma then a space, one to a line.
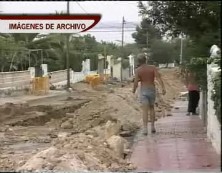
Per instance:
x=146, y=74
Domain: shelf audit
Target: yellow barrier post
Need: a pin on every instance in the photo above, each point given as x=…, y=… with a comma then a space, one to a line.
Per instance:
x=93, y=80
x=40, y=85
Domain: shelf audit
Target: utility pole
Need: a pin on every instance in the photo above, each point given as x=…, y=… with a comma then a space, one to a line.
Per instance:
x=181, y=50
x=147, y=46
x=105, y=57
x=121, y=73
x=123, y=22
x=67, y=53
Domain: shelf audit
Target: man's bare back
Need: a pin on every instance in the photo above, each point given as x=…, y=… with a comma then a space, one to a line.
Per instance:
x=146, y=75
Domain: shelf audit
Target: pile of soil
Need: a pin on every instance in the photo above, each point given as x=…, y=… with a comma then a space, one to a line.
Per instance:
x=71, y=136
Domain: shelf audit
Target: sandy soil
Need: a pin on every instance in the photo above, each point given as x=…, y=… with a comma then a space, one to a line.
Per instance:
x=69, y=134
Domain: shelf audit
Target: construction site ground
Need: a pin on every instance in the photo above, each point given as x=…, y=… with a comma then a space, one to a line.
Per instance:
x=86, y=129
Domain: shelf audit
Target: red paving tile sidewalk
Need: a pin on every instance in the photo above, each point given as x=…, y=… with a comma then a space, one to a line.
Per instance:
x=180, y=144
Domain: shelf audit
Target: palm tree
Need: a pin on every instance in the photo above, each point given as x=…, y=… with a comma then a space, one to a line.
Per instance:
x=17, y=45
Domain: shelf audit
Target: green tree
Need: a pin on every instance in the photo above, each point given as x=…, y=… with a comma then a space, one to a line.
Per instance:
x=200, y=20
x=190, y=49
x=162, y=52
x=131, y=49
x=54, y=50
x=12, y=54
x=146, y=31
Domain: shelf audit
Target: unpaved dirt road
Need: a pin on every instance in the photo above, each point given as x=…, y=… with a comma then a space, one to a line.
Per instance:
x=63, y=133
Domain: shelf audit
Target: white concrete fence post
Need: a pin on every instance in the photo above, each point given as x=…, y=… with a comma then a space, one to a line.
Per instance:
x=213, y=125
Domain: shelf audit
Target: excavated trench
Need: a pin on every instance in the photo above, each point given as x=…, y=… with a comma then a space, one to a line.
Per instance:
x=48, y=113
x=30, y=132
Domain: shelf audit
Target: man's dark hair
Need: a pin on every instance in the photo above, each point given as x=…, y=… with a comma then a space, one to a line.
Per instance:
x=141, y=59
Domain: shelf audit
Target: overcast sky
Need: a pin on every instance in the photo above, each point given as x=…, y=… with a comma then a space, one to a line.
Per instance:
x=111, y=11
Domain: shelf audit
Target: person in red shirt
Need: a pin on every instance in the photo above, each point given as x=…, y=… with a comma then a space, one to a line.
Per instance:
x=193, y=93
x=146, y=74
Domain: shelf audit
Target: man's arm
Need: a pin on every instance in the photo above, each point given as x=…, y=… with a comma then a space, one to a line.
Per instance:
x=136, y=80
x=160, y=81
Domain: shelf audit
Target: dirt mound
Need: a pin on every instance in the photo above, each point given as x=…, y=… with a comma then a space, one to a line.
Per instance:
x=93, y=152
x=73, y=134
x=173, y=83
x=78, y=153
x=85, y=138
x=53, y=158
